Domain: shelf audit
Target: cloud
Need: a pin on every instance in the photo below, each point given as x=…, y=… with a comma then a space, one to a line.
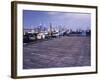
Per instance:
x=78, y=16
x=53, y=13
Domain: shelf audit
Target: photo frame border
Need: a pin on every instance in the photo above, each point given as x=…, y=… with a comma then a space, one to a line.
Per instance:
x=14, y=37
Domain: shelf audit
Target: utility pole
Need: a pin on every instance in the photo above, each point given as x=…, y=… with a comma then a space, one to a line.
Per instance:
x=50, y=29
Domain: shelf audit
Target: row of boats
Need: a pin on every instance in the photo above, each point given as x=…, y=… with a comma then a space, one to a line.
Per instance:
x=34, y=36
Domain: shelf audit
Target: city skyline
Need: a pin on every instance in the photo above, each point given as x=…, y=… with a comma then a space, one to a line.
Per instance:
x=71, y=20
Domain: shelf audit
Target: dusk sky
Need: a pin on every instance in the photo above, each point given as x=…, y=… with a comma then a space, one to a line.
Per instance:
x=71, y=20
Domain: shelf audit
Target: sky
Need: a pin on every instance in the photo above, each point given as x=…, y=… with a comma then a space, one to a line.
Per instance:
x=72, y=20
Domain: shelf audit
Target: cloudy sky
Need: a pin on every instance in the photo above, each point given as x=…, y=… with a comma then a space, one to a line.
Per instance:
x=71, y=20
